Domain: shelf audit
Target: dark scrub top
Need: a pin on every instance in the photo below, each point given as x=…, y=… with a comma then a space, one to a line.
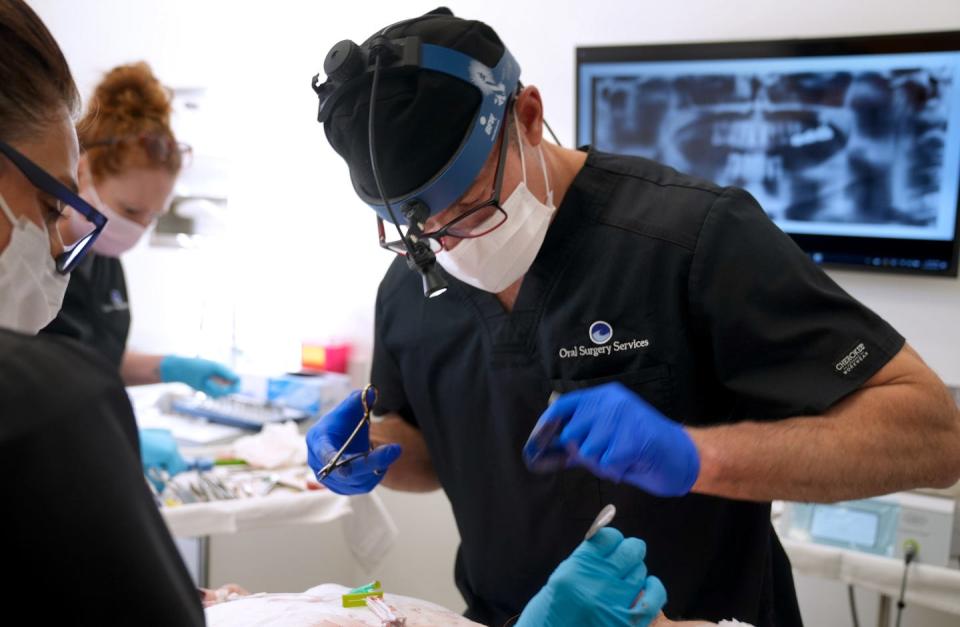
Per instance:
x=84, y=542
x=712, y=314
x=95, y=309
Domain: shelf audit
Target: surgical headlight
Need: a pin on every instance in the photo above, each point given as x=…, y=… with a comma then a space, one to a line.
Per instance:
x=347, y=67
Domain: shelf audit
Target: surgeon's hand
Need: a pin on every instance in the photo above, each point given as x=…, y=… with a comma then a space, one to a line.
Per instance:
x=159, y=450
x=203, y=375
x=618, y=436
x=327, y=436
x=603, y=582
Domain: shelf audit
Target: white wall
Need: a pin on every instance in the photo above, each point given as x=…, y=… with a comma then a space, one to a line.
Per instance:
x=301, y=259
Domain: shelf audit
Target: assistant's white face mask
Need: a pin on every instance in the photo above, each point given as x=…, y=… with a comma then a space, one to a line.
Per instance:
x=31, y=289
x=118, y=236
x=495, y=261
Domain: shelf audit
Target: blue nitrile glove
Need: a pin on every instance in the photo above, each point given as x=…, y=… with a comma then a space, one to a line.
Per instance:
x=206, y=376
x=159, y=450
x=327, y=436
x=604, y=582
x=617, y=435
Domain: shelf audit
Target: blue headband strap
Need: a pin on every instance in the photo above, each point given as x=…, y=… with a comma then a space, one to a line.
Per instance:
x=496, y=85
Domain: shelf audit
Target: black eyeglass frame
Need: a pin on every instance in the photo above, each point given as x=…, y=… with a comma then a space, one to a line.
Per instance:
x=448, y=229
x=72, y=255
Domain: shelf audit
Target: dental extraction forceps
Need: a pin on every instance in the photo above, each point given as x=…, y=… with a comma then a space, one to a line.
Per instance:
x=337, y=462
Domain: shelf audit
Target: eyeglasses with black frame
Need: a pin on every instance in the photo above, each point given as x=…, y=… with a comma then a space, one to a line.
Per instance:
x=475, y=222
x=43, y=181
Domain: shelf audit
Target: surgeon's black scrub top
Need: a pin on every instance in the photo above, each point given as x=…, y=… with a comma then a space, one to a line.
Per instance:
x=83, y=540
x=711, y=313
x=95, y=310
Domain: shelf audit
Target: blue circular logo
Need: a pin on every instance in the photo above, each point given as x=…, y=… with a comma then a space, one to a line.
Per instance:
x=600, y=332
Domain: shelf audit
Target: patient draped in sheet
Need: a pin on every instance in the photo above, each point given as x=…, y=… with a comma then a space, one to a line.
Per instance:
x=321, y=606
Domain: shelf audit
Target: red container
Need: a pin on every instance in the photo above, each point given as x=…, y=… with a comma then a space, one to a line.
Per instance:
x=324, y=358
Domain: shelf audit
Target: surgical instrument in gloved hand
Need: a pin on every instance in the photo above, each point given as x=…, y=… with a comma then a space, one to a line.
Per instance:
x=616, y=435
x=603, y=582
x=339, y=450
x=543, y=452
x=158, y=451
x=604, y=518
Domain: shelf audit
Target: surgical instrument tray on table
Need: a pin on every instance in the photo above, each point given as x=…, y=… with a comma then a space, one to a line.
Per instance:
x=236, y=411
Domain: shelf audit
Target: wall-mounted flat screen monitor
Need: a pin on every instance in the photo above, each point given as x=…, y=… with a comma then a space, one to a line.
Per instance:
x=851, y=144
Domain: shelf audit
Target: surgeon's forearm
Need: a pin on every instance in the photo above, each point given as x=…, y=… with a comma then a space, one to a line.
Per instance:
x=140, y=368
x=413, y=470
x=900, y=431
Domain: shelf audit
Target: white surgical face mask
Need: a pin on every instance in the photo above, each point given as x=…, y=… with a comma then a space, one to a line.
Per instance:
x=31, y=289
x=495, y=261
x=118, y=236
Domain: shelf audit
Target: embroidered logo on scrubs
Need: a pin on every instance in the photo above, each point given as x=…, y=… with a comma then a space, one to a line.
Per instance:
x=117, y=302
x=854, y=357
x=600, y=332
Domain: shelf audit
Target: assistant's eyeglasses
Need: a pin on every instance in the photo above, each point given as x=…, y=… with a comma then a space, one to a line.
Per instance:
x=66, y=198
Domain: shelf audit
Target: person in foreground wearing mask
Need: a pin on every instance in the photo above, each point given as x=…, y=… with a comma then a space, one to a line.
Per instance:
x=77, y=506
x=128, y=169
x=704, y=364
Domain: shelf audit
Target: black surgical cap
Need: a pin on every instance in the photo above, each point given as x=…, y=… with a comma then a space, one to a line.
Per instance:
x=422, y=116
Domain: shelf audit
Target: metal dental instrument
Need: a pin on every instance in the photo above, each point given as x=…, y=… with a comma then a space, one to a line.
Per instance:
x=269, y=483
x=550, y=456
x=337, y=462
x=604, y=518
